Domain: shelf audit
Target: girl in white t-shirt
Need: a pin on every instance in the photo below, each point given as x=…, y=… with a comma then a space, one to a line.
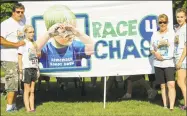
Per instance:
x=162, y=47
x=180, y=52
x=28, y=66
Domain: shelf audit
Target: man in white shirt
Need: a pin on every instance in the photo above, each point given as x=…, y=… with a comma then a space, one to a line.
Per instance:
x=10, y=34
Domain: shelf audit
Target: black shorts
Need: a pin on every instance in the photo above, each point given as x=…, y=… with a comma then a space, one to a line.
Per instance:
x=46, y=78
x=135, y=77
x=163, y=75
x=29, y=75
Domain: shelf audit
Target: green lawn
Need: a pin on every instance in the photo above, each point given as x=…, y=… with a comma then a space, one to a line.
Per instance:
x=71, y=103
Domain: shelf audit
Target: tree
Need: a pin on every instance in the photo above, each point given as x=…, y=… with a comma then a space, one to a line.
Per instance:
x=178, y=4
x=6, y=10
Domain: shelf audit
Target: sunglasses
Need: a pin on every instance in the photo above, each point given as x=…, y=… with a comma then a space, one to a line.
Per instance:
x=163, y=22
x=18, y=12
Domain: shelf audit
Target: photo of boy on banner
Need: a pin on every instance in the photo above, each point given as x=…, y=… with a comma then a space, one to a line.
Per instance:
x=67, y=46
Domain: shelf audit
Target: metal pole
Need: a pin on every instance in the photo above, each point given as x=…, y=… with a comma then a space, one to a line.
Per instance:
x=104, y=92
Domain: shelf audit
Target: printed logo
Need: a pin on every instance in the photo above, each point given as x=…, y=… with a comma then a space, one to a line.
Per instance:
x=80, y=64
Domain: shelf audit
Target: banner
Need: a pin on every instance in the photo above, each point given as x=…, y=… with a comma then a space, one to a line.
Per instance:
x=121, y=31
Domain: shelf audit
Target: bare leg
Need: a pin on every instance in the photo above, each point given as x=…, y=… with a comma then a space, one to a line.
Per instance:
x=171, y=93
x=10, y=97
x=181, y=80
x=26, y=96
x=31, y=97
x=129, y=87
x=164, y=94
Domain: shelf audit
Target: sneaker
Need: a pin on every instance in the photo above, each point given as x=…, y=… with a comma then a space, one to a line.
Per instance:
x=165, y=107
x=10, y=110
x=15, y=108
x=125, y=97
x=65, y=87
x=151, y=94
x=171, y=109
x=32, y=111
x=92, y=85
x=183, y=107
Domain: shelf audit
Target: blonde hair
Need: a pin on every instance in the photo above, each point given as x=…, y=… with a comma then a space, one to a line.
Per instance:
x=25, y=29
x=58, y=14
x=181, y=10
x=163, y=16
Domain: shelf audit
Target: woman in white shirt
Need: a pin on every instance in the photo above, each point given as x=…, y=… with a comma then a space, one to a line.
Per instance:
x=162, y=47
x=180, y=52
x=28, y=67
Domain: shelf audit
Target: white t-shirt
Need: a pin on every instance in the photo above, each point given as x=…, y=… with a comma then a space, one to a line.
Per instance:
x=9, y=30
x=29, y=55
x=181, y=36
x=166, y=49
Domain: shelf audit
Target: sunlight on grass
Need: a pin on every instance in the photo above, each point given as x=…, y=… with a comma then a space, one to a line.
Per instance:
x=71, y=103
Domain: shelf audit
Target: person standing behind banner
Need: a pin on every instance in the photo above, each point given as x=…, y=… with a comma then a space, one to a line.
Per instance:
x=162, y=47
x=9, y=37
x=28, y=66
x=180, y=52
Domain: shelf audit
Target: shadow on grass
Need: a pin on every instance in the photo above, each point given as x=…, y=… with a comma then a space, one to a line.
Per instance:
x=72, y=94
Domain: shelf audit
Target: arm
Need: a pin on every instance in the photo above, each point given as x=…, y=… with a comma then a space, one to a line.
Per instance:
x=20, y=65
x=89, y=43
x=52, y=31
x=42, y=41
x=6, y=43
x=153, y=49
x=20, y=62
x=157, y=55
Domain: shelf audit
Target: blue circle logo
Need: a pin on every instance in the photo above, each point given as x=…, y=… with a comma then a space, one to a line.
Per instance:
x=147, y=26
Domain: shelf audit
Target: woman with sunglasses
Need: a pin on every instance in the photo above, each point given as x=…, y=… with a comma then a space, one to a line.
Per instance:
x=180, y=52
x=162, y=47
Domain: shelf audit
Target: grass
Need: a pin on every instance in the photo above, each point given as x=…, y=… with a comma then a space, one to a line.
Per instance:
x=71, y=103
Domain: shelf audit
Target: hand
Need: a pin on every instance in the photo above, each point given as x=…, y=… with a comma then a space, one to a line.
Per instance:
x=72, y=30
x=20, y=33
x=56, y=29
x=176, y=39
x=20, y=43
x=38, y=54
x=158, y=56
x=178, y=65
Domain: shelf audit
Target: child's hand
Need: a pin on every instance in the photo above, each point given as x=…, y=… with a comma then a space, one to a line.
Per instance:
x=74, y=30
x=56, y=29
x=38, y=54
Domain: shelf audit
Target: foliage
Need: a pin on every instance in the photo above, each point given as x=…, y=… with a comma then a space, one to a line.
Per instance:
x=178, y=4
x=6, y=10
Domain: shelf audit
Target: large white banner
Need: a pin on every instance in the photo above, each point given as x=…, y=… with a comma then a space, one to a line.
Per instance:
x=121, y=31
